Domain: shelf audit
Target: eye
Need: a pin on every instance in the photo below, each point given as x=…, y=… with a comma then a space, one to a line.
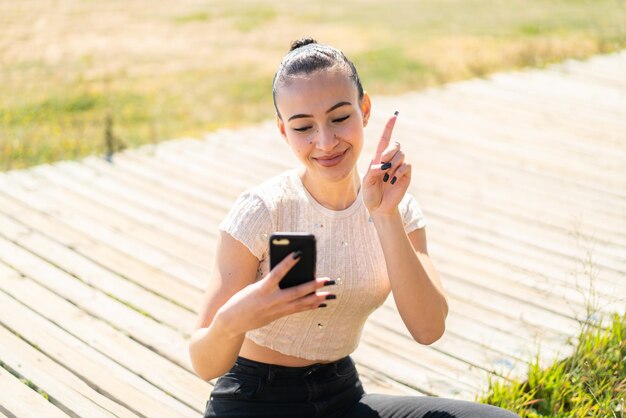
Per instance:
x=303, y=129
x=339, y=120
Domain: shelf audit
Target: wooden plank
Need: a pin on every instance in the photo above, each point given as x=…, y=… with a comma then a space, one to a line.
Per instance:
x=375, y=382
x=179, y=383
x=568, y=113
x=481, y=359
x=207, y=173
x=439, y=106
x=566, y=272
x=446, y=146
x=101, y=189
x=492, y=212
x=159, y=338
x=429, y=363
x=446, y=136
x=169, y=179
x=599, y=76
x=535, y=336
x=193, y=275
x=158, y=222
x=139, y=172
x=100, y=371
x=550, y=297
x=66, y=390
x=513, y=132
x=116, y=261
x=108, y=283
x=571, y=244
x=19, y=400
x=397, y=369
x=205, y=178
x=518, y=339
x=505, y=304
x=557, y=92
x=533, y=262
x=524, y=118
x=513, y=346
x=174, y=244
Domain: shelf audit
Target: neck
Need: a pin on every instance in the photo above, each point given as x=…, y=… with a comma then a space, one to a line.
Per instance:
x=335, y=195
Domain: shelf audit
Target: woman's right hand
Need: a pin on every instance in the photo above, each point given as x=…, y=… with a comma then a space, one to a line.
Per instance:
x=262, y=302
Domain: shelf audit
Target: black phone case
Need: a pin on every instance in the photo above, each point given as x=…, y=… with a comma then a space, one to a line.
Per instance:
x=284, y=243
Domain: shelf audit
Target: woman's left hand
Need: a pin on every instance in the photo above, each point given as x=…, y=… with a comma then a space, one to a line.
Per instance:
x=384, y=188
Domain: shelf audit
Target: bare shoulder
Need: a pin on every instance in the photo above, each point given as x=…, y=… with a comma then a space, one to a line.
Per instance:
x=234, y=268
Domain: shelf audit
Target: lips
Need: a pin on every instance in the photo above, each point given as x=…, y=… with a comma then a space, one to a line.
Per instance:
x=331, y=160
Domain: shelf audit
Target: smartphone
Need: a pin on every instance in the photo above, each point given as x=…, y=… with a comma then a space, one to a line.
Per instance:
x=284, y=243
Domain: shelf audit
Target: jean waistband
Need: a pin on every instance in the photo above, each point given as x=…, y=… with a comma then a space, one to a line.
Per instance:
x=264, y=369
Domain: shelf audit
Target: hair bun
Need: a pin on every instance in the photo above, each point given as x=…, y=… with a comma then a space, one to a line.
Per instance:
x=302, y=42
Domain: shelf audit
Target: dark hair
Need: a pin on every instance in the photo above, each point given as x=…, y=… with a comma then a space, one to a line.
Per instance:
x=306, y=56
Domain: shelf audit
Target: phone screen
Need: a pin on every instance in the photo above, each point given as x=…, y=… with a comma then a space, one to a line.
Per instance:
x=284, y=243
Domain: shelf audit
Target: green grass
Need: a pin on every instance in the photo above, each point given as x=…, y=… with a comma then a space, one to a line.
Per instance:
x=590, y=383
x=255, y=17
x=168, y=71
x=193, y=17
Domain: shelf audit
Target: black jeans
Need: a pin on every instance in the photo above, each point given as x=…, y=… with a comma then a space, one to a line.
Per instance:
x=254, y=389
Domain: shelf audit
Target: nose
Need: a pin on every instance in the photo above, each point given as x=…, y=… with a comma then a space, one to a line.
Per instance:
x=327, y=140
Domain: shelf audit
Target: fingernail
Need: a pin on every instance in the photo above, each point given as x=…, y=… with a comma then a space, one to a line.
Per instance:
x=297, y=255
x=386, y=177
x=323, y=305
x=329, y=283
x=396, y=113
x=329, y=297
x=393, y=180
x=385, y=166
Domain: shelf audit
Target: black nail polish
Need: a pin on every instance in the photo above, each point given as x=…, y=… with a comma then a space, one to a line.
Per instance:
x=386, y=177
x=385, y=166
x=393, y=180
x=323, y=305
x=396, y=113
x=297, y=255
x=329, y=297
x=329, y=283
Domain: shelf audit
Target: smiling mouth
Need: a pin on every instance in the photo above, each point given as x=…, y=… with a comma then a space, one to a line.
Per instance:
x=331, y=160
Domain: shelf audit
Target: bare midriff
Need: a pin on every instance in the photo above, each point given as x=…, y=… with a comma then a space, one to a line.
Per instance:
x=253, y=351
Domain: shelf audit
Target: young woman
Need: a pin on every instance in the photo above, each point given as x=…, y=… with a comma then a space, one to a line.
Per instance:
x=285, y=352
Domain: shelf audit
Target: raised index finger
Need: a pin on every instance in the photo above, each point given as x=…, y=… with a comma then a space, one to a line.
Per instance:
x=385, y=138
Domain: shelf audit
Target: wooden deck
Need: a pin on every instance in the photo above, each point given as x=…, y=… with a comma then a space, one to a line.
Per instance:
x=522, y=178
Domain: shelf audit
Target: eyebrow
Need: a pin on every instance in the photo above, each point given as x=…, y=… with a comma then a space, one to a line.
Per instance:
x=338, y=105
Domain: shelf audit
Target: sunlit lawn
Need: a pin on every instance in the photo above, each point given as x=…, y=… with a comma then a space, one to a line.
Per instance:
x=589, y=383
x=176, y=69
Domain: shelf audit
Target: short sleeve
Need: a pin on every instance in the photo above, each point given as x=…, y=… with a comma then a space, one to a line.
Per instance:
x=249, y=222
x=412, y=215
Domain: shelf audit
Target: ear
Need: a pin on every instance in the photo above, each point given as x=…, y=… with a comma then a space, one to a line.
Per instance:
x=366, y=108
x=281, y=127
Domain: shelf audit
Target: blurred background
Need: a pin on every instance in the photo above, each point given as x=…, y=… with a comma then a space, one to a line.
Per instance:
x=79, y=77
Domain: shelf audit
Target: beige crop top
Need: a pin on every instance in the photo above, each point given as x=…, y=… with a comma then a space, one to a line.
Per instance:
x=348, y=251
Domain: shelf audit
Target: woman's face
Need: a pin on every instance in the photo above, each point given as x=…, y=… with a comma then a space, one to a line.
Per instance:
x=322, y=120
